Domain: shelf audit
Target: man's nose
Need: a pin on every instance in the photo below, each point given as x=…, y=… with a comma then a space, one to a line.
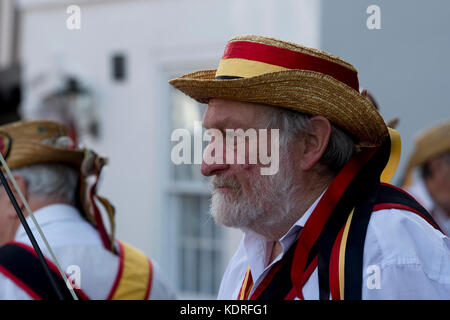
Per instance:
x=213, y=169
x=212, y=165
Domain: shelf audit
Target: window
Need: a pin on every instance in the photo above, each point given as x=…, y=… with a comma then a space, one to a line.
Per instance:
x=200, y=243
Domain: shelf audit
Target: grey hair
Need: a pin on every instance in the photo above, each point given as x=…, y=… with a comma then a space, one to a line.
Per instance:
x=293, y=124
x=50, y=180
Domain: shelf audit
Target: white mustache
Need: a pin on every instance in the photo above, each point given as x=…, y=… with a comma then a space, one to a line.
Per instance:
x=227, y=182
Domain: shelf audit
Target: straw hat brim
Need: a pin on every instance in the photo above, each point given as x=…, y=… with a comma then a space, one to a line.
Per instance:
x=432, y=143
x=28, y=153
x=305, y=91
x=422, y=155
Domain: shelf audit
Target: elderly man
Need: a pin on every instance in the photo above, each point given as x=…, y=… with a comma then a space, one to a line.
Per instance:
x=53, y=176
x=323, y=226
x=432, y=188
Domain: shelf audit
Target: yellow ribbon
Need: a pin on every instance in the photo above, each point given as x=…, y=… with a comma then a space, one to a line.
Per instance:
x=394, y=158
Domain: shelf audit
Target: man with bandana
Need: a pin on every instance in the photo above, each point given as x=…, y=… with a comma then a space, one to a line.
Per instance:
x=59, y=183
x=327, y=225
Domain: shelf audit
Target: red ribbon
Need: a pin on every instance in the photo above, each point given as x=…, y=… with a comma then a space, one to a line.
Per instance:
x=315, y=223
x=290, y=59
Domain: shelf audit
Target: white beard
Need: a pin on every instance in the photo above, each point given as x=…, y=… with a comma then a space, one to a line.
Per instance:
x=269, y=202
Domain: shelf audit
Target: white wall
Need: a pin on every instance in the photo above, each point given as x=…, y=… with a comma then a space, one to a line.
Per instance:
x=6, y=32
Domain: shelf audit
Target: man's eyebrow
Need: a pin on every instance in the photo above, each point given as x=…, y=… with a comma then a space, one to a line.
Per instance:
x=224, y=124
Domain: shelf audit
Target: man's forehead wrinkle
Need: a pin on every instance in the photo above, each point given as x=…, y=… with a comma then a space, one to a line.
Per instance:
x=222, y=121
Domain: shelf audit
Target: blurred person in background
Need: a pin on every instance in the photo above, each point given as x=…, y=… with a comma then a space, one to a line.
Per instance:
x=66, y=98
x=322, y=226
x=59, y=182
x=431, y=157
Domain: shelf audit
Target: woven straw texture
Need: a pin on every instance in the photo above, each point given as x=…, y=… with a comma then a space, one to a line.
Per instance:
x=431, y=143
x=27, y=147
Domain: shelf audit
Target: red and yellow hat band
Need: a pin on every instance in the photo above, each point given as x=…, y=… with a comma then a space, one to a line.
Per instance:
x=243, y=59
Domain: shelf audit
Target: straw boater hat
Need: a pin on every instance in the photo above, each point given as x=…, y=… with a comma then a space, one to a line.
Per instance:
x=26, y=143
x=432, y=142
x=29, y=142
x=269, y=71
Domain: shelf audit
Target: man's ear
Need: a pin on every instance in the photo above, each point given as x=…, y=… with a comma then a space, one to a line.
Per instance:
x=315, y=141
x=22, y=184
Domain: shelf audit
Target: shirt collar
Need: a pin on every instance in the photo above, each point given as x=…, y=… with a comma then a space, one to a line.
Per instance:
x=258, y=248
x=47, y=215
x=286, y=240
x=301, y=222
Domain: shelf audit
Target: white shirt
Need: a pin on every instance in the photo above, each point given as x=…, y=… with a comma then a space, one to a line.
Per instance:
x=419, y=191
x=76, y=242
x=412, y=257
